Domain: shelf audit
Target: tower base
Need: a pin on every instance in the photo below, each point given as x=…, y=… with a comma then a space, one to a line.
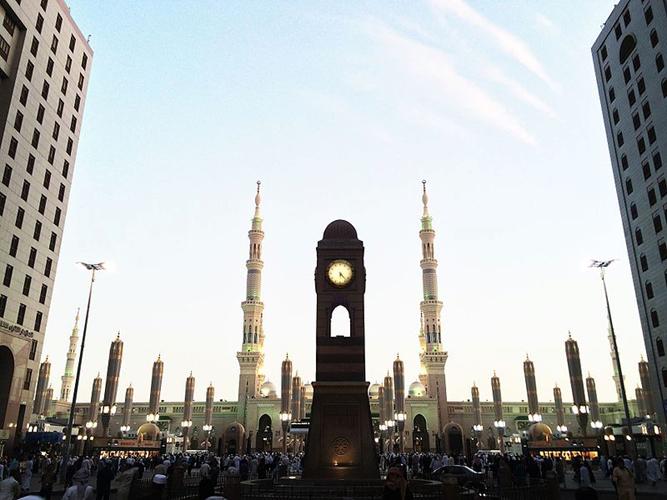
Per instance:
x=340, y=439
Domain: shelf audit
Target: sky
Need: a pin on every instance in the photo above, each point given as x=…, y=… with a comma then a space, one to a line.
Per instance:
x=341, y=109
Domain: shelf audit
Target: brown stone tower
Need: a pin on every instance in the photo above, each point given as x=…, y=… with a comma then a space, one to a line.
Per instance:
x=576, y=383
x=156, y=388
x=593, y=406
x=285, y=398
x=641, y=402
x=208, y=412
x=340, y=439
x=42, y=384
x=111, y=385
x=399, y=400
x=95, y=394
x=531, y=390
x=48, y=400
x=646, y=387
x=187, y=410
x=296, y=397
x=127, y=407
x=499, y=423
x=476, y=407
x=558, y=403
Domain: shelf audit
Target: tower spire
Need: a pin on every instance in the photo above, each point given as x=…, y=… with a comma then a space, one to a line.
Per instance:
x=251, y=355
x=68, y=377
x=432, y=357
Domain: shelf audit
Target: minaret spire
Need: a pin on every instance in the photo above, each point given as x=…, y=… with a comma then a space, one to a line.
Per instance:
x=251, y=355
x=68, y=377
x=432, y=357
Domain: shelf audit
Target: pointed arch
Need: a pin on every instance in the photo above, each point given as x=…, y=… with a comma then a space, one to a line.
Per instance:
x=340, y=323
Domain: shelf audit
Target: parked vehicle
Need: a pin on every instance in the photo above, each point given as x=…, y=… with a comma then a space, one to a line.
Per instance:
x=465, y=476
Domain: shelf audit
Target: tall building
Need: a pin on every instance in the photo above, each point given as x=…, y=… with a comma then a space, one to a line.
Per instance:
x=576, y=383
x=45, y=64
x=432, y=357
x=629, y=59
x=251, y=355
x=531, y=390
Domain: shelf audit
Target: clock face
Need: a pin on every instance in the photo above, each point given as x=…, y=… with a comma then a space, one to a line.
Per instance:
x=340, y=273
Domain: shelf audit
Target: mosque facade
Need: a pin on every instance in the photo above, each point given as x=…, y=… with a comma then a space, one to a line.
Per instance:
x=265, y=417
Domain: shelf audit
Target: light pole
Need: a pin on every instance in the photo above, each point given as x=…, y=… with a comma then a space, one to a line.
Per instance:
x=124, y=429
x=477, y=431
x=108, y=411
x=207, y=429
x=285, y=418
x=602, y=266
x=500, y=427
x=185, y=425
x=382, y=427
x=390, y=427
x=400, y=417
x=68, y=431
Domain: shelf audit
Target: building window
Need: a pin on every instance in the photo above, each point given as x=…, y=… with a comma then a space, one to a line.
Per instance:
x=80, y=83
x=65, y=171
x=25, y=191
x=664, y=377
x=38, y=321
x=26, y=285
x=33, y=350
x=648, y=15
x=14, y=246
x=7, y=175
x=56, y=217
x=618, y=31
x=650, y=132
x=61, y=107
x=659, y=63
x=53, y=241
x=9, y=270
x=59, y=22
x=3, y=305
x=646, y=169
x=638, y=236
x=660, y=347
x=19, y=217
x=56, y=131
x=77, y=102
x=42, y=294
x=662, y=249
x=662, y=186
x=664, y=88
x=654, y=38
x=29, y=68
x=32, y=257
x=45, y=90
x=54, y=44
x=612, y=94
x=615, y=117
x=42, y=204
x=47, y=179
x=28, y=373
x=47, y=267
x=72, y=43
x=38, y=230
x=34, y=46
x=52, y=155
x=649, y=290
x=641, y=85
x=657, y=161
x=657, y=223
x=636, y=63
x=636, y=121
x=626, y=74
x=18, y=121
x=13, y=145
x=49, y=67
x=603, y=53
x=3, y=200
x=61, y=192
x=35, y=138
x=40, y=114
x=628, y=185
x=655, y=321
x=63, y=87
x=624, y=162
x=626, y=18
x=633, y=211
x=84, y=61
x=31, y=164
x=68, y=64
x=72, y=125
x=70, y=145
x=641, y=145
x=24, y=95
x=632, y=98
x=21, y=314
x=619, y=139
x=646, y=108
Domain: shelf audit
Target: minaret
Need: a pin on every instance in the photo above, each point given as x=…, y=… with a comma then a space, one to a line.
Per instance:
x=531, y=390
x=576, y=382
x=187, y=410
x=111, y=385
x=399, y=399
x=381, y=405
x=94, y=409
x=558, y=403
x=498, y=411
x=68, y=378
x=593, y=406
x=46, y=404
x=646, y=387
x=156, y=387
x=296, y=397
x=127, y=407
x=641, y=402
x=476, y=407
x=251, y=355
x=432, y=357
x=302, y=402
x=210, y=397
x=285, y=385
x=42, y=383
x=388, y=398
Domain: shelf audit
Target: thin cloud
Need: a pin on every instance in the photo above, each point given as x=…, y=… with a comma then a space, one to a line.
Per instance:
x=495, y=75
x=545, y=23
x=431, y=66
x=508, y=42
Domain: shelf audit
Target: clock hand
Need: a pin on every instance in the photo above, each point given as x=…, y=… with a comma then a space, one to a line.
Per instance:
x=340, y=274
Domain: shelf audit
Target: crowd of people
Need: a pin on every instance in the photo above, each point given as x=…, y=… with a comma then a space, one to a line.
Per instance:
x=167, y=475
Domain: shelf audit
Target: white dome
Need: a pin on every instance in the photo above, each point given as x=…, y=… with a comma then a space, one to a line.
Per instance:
x=309, y=391
x=268, y=390
x=373, y=391
x=417, y=390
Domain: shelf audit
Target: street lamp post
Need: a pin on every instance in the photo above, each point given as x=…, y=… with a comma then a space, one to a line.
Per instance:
x=68, y=431
x=108, y=411
x=285, y=418
x=185, y=426
x=477, y=431
x=382, y=427
x=207, y=429
x=500, y=427
x=400, y=417
x=602, y=266
x=390, y=427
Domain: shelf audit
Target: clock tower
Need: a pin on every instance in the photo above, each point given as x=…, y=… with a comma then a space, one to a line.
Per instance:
x=340, y=439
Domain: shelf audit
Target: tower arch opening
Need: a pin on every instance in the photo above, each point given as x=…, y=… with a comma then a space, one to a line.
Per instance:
x=420, y=434
x=264, y=434
x=341, y=325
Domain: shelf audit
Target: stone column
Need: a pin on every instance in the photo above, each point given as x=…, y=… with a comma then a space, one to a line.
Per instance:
x=576, y=383
x=111, y=386
x=156, y=386
x=127, y=407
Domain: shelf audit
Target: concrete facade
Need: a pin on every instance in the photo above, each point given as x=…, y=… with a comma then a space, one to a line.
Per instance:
x=45, y=64
x=629, y=59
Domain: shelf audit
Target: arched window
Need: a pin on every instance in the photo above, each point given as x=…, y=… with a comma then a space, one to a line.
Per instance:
x=627, y=46
x=340, y=322
x=660, y=347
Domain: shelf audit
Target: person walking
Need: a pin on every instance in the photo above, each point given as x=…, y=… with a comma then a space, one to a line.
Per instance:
x=653, y=471
x=10, y=488
x=624, y=481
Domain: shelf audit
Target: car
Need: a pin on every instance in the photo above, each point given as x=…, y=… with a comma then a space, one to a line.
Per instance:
x=464, y=475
